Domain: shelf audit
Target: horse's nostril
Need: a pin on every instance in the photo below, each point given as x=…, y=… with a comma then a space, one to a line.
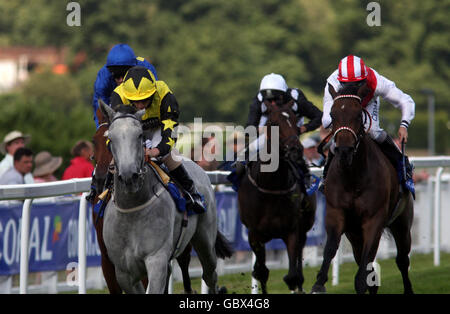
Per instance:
x=120, y=178
x=135, y=176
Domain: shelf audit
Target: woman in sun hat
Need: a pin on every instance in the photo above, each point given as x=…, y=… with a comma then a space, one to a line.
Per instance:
x=45, y=166
x=11, y=142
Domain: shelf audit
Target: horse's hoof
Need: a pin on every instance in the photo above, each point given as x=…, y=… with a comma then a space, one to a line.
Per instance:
x=317, y=289
x=222, y=290
x=297, y=291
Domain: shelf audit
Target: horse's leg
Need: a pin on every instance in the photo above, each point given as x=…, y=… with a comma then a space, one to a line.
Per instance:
x=334, y=222
x=107, y=266
x=260, y=271
x=204, y=246
x=183, y=260
x=293, y=279
x=157, y=270
x=129, y=285
x=301, y=245
x=400, y=229
x=371, y=232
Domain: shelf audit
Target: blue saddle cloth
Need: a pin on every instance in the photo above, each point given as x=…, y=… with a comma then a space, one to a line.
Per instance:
x=315, y=182
x=96, y=208
x=180, y=201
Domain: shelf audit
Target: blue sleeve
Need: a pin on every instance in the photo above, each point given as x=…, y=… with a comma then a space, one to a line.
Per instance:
x=103, y=87
x=149, y=66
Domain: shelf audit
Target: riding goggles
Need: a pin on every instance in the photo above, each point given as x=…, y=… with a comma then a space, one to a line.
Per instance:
x=118, y=72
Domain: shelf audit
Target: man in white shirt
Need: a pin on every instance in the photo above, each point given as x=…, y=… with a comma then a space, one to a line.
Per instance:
x=23, y=163
x=352, y=70
x=13, y=141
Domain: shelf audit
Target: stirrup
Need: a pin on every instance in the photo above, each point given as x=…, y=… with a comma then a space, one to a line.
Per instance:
x=90, y=198
x=194, y=202
x=321, y=187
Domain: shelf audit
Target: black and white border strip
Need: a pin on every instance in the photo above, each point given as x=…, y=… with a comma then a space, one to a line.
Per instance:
x=404, y=124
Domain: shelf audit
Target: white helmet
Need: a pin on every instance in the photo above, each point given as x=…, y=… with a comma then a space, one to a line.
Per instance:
x=273, y=81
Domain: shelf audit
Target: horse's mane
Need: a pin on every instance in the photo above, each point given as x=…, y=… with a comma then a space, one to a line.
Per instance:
x=126, y=109
x=349, y=89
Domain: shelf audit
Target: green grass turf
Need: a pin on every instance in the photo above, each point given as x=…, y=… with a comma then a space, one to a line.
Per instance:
x=425, y=278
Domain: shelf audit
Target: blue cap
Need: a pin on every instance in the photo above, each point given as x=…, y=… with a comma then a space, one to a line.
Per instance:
x=121, y=54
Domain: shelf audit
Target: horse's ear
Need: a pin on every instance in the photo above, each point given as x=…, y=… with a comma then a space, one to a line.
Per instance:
x=363, y=91
x=139, y=114
x=331, y=90
x=107, y=111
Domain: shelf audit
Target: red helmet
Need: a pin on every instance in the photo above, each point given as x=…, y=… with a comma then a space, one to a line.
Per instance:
x=352, y=69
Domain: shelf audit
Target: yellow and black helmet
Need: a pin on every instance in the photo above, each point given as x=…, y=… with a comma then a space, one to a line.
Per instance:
x=138, y=83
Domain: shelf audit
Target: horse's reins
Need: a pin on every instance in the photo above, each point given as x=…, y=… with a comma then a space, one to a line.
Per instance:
x=275, y=192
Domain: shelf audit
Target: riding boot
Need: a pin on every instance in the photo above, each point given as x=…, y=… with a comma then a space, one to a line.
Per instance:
x=390, y=149
x=194, y=202
x=303, y=168
x=325, y=171
x=93, y=192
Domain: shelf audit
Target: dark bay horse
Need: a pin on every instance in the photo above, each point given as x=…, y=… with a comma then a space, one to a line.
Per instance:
x=103, y=157
x=362, y=196
x=274, y=205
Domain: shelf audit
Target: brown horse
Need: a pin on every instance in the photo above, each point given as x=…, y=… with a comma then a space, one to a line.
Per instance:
x=362, y=196
x=274, y=205
x=103, y=157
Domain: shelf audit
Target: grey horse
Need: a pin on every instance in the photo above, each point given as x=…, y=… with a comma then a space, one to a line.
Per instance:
x=142, y=227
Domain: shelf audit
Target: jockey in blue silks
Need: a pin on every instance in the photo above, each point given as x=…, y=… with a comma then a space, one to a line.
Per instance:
x=120, y=58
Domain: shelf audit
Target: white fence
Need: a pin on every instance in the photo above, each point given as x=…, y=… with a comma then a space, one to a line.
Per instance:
x=28, y=192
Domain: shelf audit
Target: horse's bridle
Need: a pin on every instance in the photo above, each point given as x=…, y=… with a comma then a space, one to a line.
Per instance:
x=358, y=136
x=143, y=169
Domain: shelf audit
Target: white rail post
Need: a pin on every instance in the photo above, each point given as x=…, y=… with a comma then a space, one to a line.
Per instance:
x=255, y=284
x=437, y=217
x=82, y=244
x=24, y=244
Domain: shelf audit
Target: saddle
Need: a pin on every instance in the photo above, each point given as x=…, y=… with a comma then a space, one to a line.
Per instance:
x=176, y=191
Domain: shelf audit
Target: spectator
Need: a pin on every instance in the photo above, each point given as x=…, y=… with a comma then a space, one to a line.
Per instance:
x=206, y=160
x=12, y=141
x=45, y=166
x=312, y=157
x=23, y=163
x=80, y=165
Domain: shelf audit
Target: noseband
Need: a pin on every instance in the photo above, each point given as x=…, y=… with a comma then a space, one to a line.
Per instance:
x=361, y=133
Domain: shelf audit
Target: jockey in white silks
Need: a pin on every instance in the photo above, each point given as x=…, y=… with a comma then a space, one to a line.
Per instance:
x=273, y=88
x=352, y=70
